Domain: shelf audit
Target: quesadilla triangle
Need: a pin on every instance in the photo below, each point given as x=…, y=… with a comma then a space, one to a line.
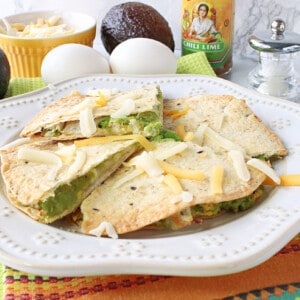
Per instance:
x=223, y=122
x=48, y=180
x=175, y=179
x=100, y=112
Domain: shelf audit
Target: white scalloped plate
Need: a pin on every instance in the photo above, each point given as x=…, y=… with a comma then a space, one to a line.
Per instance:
x=224, y=245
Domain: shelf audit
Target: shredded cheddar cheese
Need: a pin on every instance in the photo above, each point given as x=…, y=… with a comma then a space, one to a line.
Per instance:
x=285, y=180
x=175, y=114
x=180, y=130
x=170, y=112
x=180, y=113
x=189, y=136
x=216, y=184
x=101, y=101
x=181, y=173
x=172, y=182
x=184, y=135
x=107, y=139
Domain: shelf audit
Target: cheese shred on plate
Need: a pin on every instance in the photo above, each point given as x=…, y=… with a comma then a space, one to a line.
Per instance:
x=104, y=227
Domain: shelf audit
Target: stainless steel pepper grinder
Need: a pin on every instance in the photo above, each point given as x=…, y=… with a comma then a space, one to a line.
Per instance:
x=275, y=73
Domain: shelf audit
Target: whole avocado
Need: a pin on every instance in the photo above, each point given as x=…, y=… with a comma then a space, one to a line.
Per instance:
x=4, y=73
x=133, y=20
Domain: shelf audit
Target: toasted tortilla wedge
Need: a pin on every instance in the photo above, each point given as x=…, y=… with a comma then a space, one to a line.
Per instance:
x=99, y=113
x=132, y=203
x=48, y=180
x=229, y=118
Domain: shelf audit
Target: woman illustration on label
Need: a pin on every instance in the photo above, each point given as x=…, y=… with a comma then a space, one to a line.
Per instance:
x=202, y=27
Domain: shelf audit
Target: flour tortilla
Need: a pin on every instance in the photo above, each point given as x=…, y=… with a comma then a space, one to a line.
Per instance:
x=144, y=200
x=63, y=116
x=229, y=117
x=29, y=184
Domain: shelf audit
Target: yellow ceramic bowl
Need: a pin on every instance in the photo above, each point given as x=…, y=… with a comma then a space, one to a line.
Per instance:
x=25, y=55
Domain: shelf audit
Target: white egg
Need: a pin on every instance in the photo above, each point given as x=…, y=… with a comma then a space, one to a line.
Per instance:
x=72, y=60
x=142, y=56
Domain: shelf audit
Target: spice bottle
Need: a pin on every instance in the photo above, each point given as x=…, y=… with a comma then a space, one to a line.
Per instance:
x=208, y=27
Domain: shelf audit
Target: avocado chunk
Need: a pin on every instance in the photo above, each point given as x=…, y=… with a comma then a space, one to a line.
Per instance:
x=4, y=74
x=133, y=20
x=68, y=197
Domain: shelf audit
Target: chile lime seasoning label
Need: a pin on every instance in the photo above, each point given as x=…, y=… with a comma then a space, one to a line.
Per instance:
x=208, y=27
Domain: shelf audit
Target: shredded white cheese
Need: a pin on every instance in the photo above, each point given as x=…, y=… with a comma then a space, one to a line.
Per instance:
x=184, y=196
x=265, y=168
x=147, y=162
x=239, y=165
x=87, y=123
x=199, y=134
x=17, y=142
x=66, y=153
x=166, y=153
x=129, y=176
x=221, y=141
x=128, y=106
x=89, y=102
x=39, y=156
x=104, y=227
x=78, y=163
x=161, y=155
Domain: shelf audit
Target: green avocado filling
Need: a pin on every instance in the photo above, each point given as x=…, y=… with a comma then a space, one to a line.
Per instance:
x=209, y=210
x=235, y=206
x=68, y=197
x=166, y=135
x=146, y=123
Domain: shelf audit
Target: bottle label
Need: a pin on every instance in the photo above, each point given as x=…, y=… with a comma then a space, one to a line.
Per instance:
x=208, y=26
